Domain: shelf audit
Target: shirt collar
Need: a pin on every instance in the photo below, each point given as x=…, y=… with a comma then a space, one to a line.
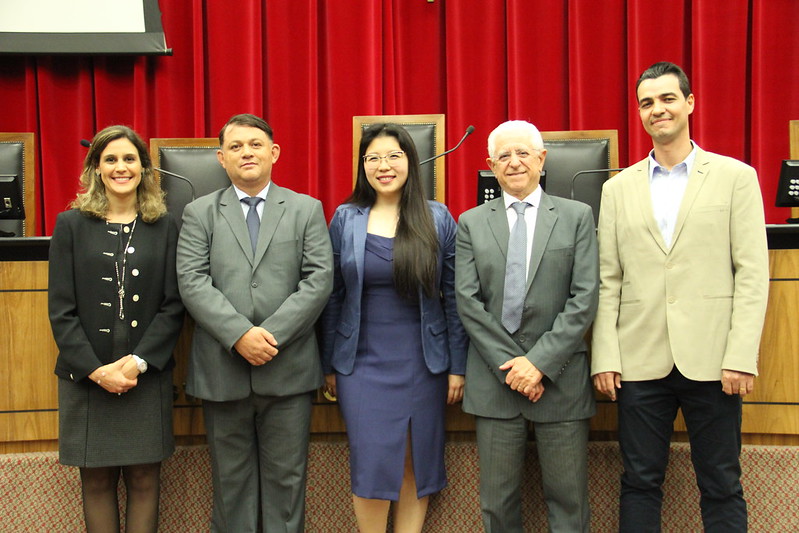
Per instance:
x=534, y=198
x=262, y=194
x=688, y=162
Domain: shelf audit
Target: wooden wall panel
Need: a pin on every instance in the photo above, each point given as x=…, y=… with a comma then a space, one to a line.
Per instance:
x=28, y=400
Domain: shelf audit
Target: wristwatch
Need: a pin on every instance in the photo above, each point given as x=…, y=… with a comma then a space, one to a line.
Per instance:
x=141, y=364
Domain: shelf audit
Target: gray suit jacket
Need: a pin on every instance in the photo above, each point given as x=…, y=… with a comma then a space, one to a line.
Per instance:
x=560, y=303
x=227, y=289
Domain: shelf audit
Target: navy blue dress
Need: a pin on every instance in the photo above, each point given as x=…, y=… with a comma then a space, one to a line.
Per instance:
x=391, y=391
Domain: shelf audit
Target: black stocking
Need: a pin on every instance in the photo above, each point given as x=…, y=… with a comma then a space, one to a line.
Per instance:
x=100, y=505
x=143, y=486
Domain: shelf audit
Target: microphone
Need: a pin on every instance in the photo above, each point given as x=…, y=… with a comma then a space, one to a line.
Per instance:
x=469, y=131
x=84, y=142
x=592, y=171
x=178, y=176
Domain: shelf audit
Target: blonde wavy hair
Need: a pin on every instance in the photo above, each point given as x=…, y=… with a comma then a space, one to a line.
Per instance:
x=92, y=199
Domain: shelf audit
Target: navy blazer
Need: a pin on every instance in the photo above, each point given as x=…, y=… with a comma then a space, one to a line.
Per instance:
x=444, y=340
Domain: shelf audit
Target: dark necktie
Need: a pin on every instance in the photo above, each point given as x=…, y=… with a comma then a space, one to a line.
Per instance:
x=253, y=222
x=515, y=271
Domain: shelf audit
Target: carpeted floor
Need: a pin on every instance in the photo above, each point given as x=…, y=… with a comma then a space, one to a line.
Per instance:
x=39, y=495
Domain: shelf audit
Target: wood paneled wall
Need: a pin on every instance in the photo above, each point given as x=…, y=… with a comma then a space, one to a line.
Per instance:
x=28, y=399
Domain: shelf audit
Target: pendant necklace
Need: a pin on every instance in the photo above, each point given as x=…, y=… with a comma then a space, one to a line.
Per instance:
x=121, y=275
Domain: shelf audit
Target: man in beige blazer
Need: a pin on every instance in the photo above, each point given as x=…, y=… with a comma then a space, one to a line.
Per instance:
x=684, y=286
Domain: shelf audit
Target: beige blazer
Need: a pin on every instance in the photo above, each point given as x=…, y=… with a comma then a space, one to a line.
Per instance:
x=700, y=304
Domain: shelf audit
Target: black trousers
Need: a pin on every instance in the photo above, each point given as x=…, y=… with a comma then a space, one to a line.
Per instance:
x=647, y=410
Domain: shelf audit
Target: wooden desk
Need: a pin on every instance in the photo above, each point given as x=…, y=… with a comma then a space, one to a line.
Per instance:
x=28, y=399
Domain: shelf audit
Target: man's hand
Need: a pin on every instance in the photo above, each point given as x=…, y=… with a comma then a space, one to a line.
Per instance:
x=524, y=378
x=734, y=382
x=257, y=346
x=455, y=388
x=607, y=383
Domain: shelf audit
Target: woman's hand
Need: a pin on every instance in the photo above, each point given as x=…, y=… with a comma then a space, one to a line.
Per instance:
x=130, y=369
x=111, y=377
x=329, y=388
x=455, y=391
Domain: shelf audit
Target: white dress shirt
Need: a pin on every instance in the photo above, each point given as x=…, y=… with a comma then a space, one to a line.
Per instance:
x=258, y=208
x=530, y=215
x=667, y=189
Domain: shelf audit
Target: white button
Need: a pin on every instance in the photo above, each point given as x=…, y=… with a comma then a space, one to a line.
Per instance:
x=135, y=271
x=135, y=297
x=134, y=323
x=131, y=249
x=126, y=229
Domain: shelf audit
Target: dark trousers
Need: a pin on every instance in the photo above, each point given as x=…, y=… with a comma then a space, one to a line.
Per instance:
x=647, y=410
x=259, y=450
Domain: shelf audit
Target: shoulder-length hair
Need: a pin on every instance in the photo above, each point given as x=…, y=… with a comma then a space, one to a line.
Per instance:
x=416, y=242
x=92, y=199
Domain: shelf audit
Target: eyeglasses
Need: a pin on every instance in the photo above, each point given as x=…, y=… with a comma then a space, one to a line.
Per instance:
x=392, y=158
x=504, y=157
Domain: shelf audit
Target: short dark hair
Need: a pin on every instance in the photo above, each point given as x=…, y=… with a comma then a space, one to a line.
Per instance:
x=246, y=119
x=663, y=68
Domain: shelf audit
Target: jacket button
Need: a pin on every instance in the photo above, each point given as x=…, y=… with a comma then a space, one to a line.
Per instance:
x=134, y=323
x=254, y=285
x=135, y=297
x=135, y=271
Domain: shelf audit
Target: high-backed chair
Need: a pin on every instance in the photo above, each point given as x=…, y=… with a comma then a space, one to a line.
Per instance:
x=193, y=159
x=569, y=155
x=18, y=177
x=427, y=132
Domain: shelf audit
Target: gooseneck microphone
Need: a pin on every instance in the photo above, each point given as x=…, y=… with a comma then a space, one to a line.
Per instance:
x=469, y=131
x=178, y=176
x=591, y=171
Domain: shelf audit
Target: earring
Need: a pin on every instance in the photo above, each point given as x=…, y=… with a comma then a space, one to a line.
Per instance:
x=96, y=172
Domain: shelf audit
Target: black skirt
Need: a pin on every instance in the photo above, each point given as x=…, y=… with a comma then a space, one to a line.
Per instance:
x=98, y=428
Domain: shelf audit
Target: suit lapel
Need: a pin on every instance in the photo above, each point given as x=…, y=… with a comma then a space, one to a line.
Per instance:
x=544, y=222
x=230, y=208
x=360, y=222
x=643, y=197
x=697, y=178
x=274, y=207
x=498, y=224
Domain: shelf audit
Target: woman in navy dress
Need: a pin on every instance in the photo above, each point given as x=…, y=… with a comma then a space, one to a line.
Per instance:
x=116, y=314
x=393, y=348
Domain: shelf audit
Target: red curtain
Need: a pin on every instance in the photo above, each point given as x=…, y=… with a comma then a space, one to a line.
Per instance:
x=309, y=66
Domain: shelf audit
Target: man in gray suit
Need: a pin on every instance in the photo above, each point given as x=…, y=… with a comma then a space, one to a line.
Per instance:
x=255, y=269
x=526, y=280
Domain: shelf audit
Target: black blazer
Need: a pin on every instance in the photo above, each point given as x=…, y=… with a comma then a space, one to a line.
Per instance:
x=82, y=293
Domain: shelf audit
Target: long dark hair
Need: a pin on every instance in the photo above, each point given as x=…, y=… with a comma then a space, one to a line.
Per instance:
x=416, y=242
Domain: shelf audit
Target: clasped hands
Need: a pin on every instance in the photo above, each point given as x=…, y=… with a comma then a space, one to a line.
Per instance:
x=257, y=346
x=119, y=376
x=524, y=378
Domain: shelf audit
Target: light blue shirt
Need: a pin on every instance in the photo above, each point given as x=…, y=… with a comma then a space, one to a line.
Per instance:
x=667, y=189
x=258, y=208
x=530, y=216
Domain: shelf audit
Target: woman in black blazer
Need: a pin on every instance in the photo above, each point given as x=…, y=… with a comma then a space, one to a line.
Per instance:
x=116, y=314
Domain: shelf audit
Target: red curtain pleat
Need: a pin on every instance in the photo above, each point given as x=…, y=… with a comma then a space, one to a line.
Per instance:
x=308, y=66
x=774, y=79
